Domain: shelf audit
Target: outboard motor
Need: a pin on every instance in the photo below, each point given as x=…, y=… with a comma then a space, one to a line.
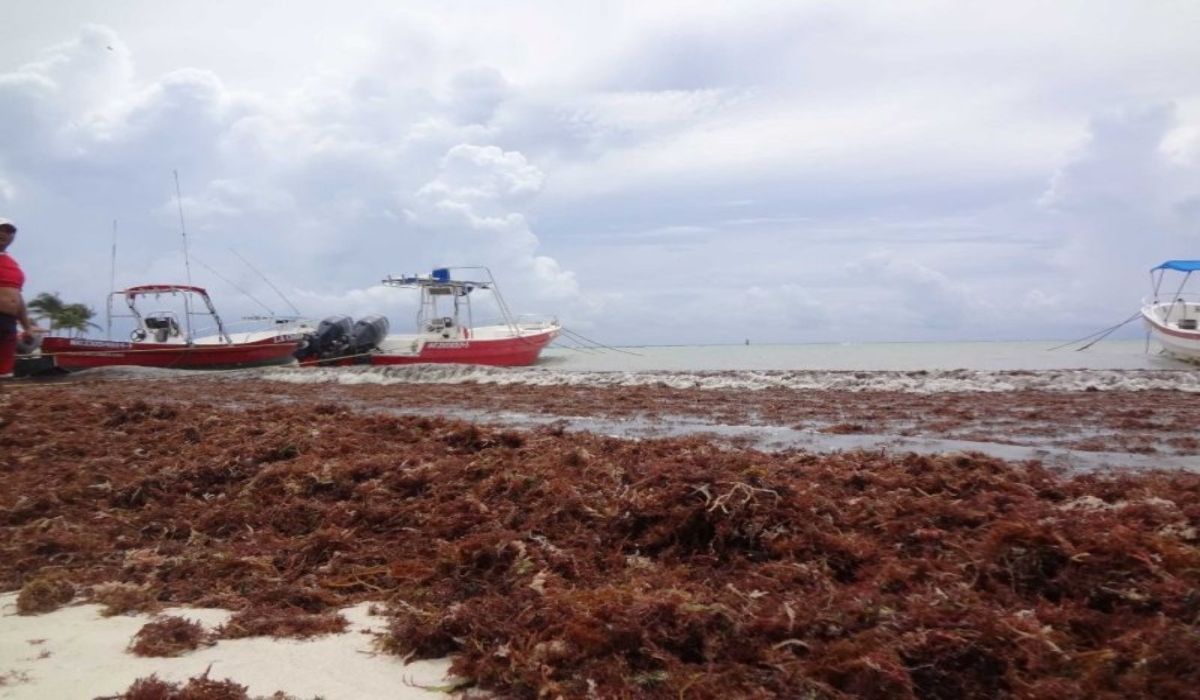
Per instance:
x=28, y=343
x=331, y=338
x=368, y=333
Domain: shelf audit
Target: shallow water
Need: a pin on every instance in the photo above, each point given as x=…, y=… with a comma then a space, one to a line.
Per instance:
x=780, y=438
x=925, y=368
x=913, y=367
x=908, y=357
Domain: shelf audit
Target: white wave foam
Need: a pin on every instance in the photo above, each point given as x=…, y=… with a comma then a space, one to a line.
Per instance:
x=936, y=381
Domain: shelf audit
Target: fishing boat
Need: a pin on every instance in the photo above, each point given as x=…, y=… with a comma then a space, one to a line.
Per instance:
x=1172, y=312
x=176, y=326
x=446, y=328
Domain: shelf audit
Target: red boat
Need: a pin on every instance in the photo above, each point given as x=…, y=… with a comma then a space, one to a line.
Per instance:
x=446, y=330
x=174, y=335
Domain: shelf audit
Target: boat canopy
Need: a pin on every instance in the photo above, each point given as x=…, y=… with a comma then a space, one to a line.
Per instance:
x=1179, y=265
x=439, y=282
x=162, y=289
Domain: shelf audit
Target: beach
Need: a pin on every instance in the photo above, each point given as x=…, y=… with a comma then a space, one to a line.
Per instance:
x=649, y=538
x=78, y=651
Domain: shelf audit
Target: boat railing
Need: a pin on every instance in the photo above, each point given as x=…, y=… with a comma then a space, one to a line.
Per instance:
x=279, y=324
x=1179, y=306
x=523, y=323
x=536, y=321
x=246, y=326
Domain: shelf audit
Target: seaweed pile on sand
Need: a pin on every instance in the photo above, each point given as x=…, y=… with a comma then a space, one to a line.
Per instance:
x=196, y=688
x=552, y=564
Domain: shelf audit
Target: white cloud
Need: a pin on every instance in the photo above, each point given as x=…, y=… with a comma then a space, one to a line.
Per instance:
x=1124, y=203
x=653, y=173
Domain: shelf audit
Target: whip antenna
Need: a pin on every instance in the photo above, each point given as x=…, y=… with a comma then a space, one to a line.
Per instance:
x=182, y=229
x=112, y=279
x=112, y=267
x=269, y=283
x=231, y=284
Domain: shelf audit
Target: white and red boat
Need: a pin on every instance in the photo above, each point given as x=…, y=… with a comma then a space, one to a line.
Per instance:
x=447, y=331
x=181, y=331
x=1172, y=313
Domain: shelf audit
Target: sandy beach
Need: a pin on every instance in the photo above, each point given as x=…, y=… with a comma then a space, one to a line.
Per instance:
x=833, y=546
x=77, y=652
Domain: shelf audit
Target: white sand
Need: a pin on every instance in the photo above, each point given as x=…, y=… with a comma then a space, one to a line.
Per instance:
x=75, y=653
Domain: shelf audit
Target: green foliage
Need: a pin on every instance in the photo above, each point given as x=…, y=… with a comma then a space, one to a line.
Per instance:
x=76, y=318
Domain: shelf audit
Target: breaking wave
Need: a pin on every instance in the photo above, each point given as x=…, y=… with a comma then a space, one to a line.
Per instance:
x=921, y=381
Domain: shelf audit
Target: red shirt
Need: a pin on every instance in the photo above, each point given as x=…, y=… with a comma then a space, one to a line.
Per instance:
x=10, y=272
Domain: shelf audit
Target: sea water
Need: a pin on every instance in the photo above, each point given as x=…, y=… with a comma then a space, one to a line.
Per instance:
x=1116, y=365
x=1104, y=355
x=1119, y=365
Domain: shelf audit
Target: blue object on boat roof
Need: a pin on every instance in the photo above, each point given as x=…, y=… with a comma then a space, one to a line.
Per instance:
x=1180, y=265
x=441, y=274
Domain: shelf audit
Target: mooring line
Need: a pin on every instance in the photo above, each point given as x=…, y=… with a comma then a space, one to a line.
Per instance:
x=595, y=344
x=1103, y=334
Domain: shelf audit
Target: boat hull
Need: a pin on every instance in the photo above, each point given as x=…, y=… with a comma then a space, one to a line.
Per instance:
x=518, y=351
x=74, y=354
x=1179, y=343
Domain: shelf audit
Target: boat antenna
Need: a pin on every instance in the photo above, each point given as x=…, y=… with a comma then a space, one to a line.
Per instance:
x=182, y=229
x=269, y=283
x=253, y=298
x=112, y=279
x=112, y=266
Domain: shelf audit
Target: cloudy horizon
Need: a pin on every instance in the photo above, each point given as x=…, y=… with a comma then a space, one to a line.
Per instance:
x=784, y=172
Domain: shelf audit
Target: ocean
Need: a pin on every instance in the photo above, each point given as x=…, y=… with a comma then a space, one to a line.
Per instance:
x=905, y=357
x=1118, y=365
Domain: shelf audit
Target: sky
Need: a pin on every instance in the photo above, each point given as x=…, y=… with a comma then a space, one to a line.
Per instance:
x=653, y=173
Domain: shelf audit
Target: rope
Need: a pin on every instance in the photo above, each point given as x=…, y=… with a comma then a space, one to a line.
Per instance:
x=594, y=344
x=1102, y=335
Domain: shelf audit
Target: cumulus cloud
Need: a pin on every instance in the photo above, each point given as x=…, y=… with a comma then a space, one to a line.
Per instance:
x=654, y=173
x=1119, y=166
x=473, y=207
x=45, y=101
x=916, y=296
x=476, y=93
x=1123, y=203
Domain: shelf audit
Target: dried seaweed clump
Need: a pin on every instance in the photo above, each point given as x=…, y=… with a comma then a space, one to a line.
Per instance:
x=260, y=621
x=43, y=595
x=119, y=598
x=168, y=635
x=197, y=688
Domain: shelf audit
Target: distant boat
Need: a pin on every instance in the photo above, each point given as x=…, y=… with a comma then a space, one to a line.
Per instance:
x=446, y=332
x=181, y=330
x=1172, y=313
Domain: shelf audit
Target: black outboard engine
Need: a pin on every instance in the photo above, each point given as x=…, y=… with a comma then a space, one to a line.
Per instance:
x=368, y=333
x=331, y=339
x=28, y=343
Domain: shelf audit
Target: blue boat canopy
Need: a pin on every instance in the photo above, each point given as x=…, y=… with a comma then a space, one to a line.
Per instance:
x=1180, y=265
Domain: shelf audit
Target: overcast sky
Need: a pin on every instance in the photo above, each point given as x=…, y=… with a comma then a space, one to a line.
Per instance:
x=658, y=172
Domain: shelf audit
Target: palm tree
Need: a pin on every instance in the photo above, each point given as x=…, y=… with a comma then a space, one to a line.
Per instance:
x=77, y=318
x=47, y=305
x=72, y=317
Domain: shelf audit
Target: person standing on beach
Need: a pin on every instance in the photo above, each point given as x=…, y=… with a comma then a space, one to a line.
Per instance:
x=12, y=304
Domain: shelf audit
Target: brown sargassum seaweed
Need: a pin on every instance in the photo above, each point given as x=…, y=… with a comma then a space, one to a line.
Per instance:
x=548, y=563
